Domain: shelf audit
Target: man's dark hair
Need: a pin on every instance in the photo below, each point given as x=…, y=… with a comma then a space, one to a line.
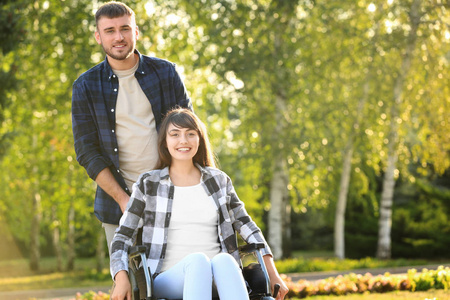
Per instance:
x=113, y=9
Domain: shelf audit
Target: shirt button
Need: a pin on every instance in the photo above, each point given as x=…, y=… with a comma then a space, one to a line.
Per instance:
x=114, y=76
x=115, y=90
x=112, y=131
x=118, y=171
x=112, y=109
x=115, y=149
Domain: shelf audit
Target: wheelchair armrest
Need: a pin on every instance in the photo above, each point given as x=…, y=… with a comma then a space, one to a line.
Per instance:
x=251, y=247
x=136, y=250
x=256, y=249
x=137, y=255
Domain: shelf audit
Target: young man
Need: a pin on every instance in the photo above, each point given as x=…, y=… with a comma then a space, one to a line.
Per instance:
x=117, y=107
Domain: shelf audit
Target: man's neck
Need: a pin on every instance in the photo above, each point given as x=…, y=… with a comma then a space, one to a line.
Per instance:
x=125, y=64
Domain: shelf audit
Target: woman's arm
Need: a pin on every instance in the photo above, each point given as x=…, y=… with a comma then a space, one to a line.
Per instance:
x=275, y=277
x=246, y=224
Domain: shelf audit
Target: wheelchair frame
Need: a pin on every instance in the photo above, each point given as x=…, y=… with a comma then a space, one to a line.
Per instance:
x=138, y=265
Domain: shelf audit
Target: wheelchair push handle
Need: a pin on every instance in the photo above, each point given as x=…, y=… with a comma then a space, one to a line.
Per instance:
x=276, y=289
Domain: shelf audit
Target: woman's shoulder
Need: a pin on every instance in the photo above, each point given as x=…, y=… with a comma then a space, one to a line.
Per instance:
x=153, y=175
x=216, y=173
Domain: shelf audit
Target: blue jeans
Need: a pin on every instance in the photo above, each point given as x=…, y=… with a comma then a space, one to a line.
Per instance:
x=192, y=279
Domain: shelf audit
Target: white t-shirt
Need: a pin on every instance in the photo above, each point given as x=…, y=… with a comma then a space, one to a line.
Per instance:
x=135, y=128
x=193, y=225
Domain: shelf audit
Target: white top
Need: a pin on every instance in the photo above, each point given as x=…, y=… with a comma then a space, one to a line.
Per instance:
x=193, y=225
x=135, y=128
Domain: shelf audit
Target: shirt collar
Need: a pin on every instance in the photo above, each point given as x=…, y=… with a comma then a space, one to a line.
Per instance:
x=205, y=173
x=140, y=69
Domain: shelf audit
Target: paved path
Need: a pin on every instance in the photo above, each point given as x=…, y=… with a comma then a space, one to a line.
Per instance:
x=69, y=293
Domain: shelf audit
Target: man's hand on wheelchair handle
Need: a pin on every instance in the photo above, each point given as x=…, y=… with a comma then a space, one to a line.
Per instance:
x=122, y=288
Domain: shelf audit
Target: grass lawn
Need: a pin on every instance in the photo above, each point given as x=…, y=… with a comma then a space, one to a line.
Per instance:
x=16, y=275
x=400, y=295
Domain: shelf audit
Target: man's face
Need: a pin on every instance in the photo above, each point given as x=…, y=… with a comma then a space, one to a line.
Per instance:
x=117, y=36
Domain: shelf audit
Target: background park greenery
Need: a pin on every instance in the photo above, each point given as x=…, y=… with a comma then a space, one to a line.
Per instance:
x=331, y=117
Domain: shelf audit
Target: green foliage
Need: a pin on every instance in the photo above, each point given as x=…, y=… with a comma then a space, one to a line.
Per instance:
x=298, y=265
x=11, y=33
x=429, y=279
x=41, y=160
x=419, y=222
x=312, y=229
x=422, y=222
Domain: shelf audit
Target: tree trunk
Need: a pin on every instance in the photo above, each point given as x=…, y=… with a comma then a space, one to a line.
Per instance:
x=339, y=221
x=56, y=240
x=35, y=253
x=278, y=192
x=387, y=195
x=71, y=240
x=287, y=233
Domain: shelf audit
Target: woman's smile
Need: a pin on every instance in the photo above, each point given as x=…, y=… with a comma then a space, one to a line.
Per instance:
x=182, y=143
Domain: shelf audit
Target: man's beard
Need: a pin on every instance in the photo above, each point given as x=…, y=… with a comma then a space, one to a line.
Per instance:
x=121, y=56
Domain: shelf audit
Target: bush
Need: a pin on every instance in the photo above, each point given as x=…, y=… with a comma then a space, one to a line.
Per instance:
x=92, y=296
x=353, y=283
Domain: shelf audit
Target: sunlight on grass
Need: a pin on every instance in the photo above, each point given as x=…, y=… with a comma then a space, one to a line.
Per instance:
x=317, y=264
x=16, y=275
x=28, y=279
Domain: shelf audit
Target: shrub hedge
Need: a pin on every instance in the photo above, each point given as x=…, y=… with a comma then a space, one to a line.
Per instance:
x=356, y=283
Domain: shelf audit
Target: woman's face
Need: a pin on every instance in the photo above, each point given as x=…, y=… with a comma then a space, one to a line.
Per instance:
x=182, y=143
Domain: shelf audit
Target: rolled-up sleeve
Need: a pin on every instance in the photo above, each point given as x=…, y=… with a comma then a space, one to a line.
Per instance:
x=85, y=132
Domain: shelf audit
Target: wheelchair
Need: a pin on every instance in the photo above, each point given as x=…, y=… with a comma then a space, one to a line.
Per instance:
x=254, y=273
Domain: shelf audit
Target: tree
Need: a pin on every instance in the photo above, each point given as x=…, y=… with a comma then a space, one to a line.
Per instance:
x=364, y=59
x=42, y=173
x=385, y=220
x=11, y=32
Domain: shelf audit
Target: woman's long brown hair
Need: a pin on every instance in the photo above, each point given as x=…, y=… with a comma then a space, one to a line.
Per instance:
x=184, y=118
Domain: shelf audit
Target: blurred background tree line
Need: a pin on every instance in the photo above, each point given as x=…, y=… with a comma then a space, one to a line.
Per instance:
x=331, y=117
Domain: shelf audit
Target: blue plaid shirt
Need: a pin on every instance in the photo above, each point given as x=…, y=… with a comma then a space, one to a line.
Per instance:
x=94, y=98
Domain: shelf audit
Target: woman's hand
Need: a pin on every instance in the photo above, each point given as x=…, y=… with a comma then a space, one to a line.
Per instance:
x=122, y=287
x=275, y=277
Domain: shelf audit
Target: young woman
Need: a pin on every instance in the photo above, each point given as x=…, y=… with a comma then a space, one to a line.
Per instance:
x=190, y=214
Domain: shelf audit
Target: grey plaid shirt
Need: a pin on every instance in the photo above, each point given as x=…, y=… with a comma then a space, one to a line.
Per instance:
x=150, y=207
